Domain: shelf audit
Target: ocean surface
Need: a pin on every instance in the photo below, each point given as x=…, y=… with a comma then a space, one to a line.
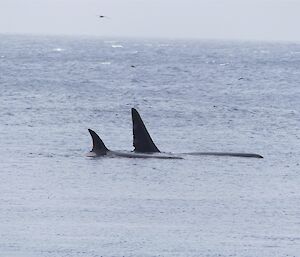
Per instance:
x=193, y=96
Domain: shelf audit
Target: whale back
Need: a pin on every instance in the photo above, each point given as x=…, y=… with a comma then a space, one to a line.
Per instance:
x=142, y=141
x=98, y=146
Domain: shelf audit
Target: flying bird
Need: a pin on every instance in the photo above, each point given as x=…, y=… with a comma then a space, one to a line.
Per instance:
x=103, y=16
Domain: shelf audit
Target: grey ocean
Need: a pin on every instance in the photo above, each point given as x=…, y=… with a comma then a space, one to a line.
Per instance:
x=193, y=96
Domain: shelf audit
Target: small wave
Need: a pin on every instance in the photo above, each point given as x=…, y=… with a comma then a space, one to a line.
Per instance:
x=264, y=51
x=106, y=63
x=2, y=56
x=224, y=64
x=210, y=62
x=58, y=49
x=116, y=46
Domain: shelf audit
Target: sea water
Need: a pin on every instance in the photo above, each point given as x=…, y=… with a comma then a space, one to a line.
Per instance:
x=193, y=96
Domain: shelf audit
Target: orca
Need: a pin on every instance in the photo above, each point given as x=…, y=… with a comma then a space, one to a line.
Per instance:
x=99, y=149
x=144, y=147
x=143, y=143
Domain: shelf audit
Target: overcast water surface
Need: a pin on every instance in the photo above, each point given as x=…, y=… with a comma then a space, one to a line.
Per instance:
x=193, y=96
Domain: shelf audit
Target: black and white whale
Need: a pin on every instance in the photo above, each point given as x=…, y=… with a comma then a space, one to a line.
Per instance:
x=144, y=146
x=143, y=143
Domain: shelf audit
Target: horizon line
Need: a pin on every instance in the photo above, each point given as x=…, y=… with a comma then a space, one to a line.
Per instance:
x=130, y=37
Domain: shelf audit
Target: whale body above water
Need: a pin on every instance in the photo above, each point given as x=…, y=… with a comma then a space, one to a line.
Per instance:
x=144, y=147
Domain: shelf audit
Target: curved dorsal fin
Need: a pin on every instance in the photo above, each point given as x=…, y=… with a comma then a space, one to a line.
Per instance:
x=142, y=142
x=98, y=146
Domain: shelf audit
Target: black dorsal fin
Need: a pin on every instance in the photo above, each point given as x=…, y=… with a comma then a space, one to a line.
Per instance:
x=98, y=146
x=142, y=142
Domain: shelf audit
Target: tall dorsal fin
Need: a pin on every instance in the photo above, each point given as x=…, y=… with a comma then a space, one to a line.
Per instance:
x=98, y=146
x=142, y=141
